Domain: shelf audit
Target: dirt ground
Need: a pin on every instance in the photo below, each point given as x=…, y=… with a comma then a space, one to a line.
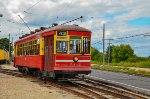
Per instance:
x=12, y=87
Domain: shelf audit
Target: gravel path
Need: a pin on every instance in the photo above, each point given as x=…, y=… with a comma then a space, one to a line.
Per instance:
x=12, y=87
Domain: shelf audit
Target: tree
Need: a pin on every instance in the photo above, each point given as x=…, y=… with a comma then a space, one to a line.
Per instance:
x=5, y=43
x=94, y=52
x=122, y=53
x=96, y=55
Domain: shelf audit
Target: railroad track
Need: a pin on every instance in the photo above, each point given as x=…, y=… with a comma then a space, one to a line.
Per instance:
x=110, y=89
x=118, y=89
x=87, y=88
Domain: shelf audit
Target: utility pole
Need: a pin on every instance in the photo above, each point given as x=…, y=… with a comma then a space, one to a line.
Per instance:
x=109, y=53
x=12, y=49
x=109, y=50
x=103, y=44
x=1, y=15
x=9, y=47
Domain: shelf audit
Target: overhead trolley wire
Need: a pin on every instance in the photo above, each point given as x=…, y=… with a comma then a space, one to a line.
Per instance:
x=145, y=45
x=33, y=5
x=132, y=36
x=97, y=42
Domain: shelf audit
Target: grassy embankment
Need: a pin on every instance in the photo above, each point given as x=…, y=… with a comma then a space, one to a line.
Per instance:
x=124, y=67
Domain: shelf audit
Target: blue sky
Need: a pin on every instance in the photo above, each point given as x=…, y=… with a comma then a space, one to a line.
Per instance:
x=112, y=15
x=123, y=18
x=140, y=22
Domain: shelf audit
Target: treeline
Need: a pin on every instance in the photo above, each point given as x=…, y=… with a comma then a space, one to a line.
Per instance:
x=119, y=53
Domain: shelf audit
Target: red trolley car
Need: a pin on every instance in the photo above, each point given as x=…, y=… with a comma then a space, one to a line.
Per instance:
x=58, y=51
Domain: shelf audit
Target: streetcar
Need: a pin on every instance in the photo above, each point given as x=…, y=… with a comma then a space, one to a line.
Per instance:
x=4, y=55
x=55, y=52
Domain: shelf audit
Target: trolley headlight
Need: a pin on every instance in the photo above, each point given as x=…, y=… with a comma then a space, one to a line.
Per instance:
x=75, y=59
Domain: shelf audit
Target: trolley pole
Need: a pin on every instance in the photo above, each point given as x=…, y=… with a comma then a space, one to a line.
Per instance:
x=103, y=44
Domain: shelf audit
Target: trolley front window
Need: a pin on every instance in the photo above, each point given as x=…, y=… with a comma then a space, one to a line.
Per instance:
x=61, y=46
x=75, y=44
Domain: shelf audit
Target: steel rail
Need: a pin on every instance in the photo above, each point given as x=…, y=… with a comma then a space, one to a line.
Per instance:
x=116, y=89
x=94, y=94
x=106, y=91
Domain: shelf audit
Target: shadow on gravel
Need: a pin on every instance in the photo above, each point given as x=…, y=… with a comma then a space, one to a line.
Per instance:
x=11, y=72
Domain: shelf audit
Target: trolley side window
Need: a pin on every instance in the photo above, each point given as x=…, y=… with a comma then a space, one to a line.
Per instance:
x=86, y=45
x=61, y=46
x=29, y=48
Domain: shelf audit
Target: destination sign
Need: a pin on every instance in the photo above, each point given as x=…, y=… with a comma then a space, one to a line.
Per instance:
x=61, y=33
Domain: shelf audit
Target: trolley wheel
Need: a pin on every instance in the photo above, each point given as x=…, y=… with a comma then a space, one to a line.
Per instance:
x=39, y=74
x=25, y=71
x=20, y=69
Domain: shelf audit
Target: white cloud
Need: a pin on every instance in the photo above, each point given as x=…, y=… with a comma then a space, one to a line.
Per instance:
x=46, y=11
x=13, y=5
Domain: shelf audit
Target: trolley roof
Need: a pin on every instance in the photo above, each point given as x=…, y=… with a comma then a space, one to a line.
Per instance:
x=58, y=28
x=67, y=27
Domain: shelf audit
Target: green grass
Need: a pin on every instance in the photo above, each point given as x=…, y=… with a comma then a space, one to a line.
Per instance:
x=141, y=64
x=122, y=69
x=96, y=62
